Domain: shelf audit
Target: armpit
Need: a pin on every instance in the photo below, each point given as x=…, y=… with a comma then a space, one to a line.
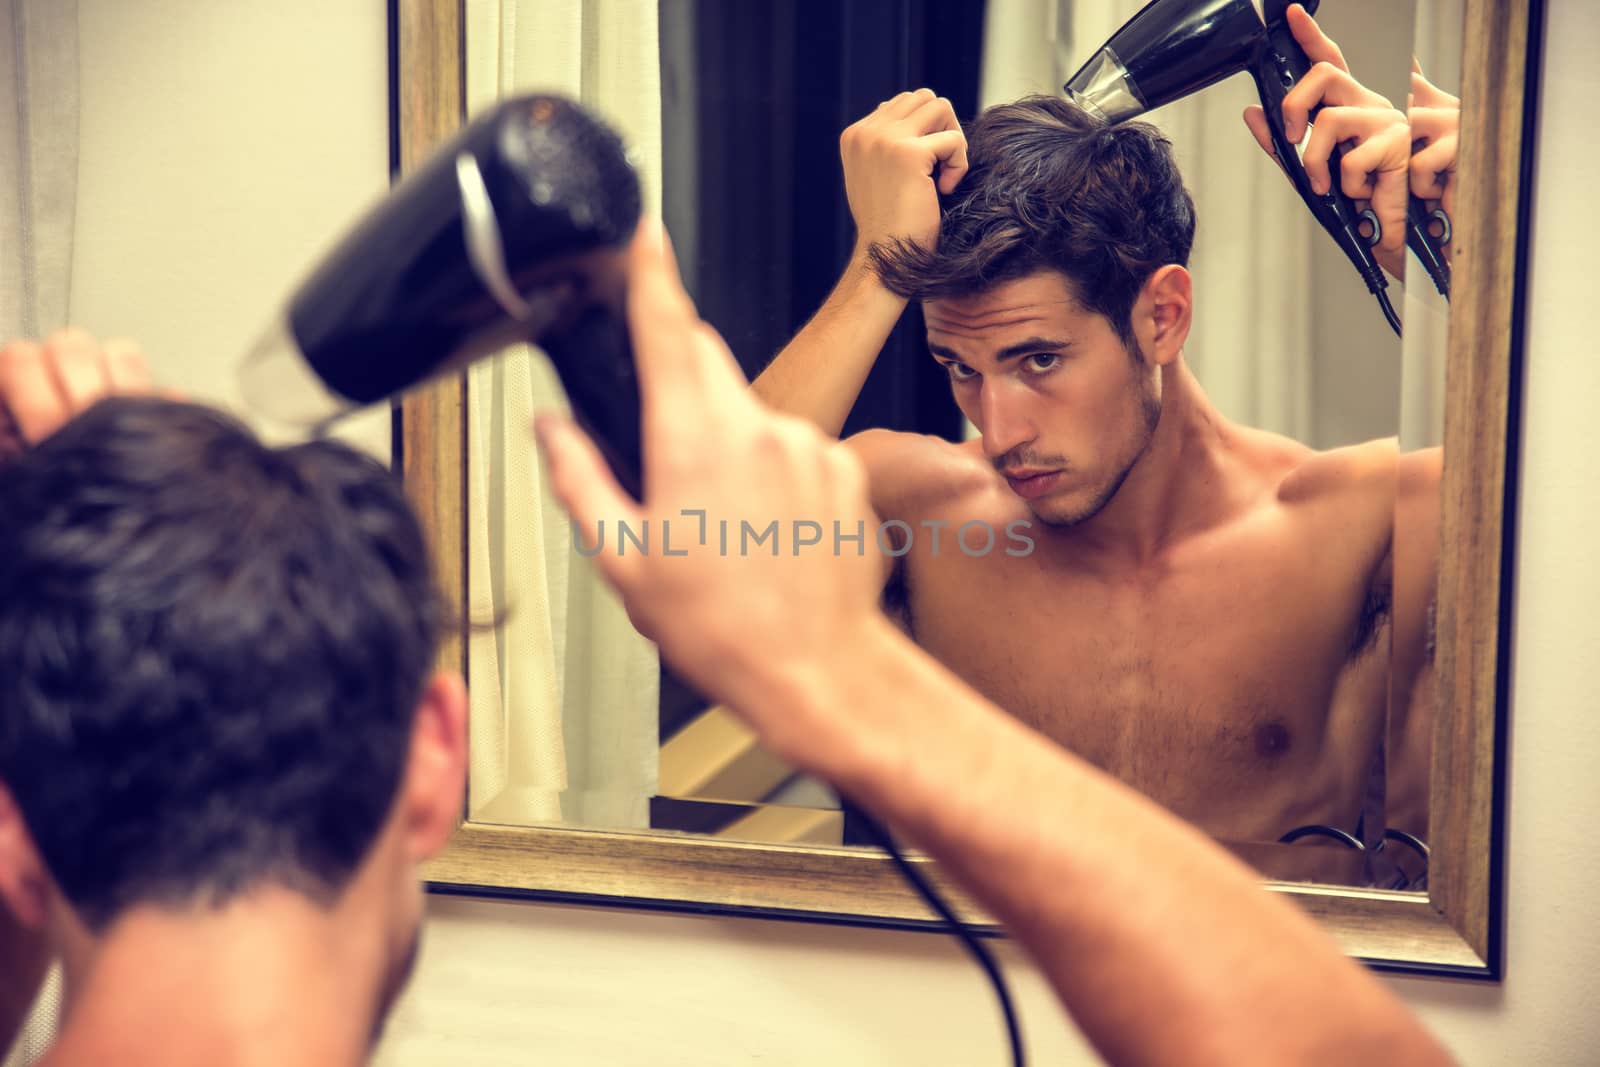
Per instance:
x=1375, y=612
x=896, y=598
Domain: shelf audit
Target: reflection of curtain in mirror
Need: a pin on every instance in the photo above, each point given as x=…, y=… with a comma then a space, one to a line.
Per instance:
x=38, y=198
x=38, y=163
x=1251, y=342
x=564, y=693
x=1438, y=49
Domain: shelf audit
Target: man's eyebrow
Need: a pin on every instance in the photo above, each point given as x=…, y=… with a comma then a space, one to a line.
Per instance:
x=1021, y=348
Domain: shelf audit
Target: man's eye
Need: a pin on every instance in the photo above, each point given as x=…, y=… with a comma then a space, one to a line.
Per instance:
x=960, y=372
x=1040, y=362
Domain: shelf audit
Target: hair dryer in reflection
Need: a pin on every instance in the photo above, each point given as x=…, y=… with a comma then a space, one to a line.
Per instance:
x=1173, y=48
x=512, y=231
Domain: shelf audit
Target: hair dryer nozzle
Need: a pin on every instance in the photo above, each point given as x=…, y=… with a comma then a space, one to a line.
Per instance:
x=1168, y=50
x=1102, y=88
x=281, y=387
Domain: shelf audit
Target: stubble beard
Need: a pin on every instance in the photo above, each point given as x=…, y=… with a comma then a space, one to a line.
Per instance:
x=1149, y=415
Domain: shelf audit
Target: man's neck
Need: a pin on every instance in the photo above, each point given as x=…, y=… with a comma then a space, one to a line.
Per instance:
x=1176, y=488
x=270, y=980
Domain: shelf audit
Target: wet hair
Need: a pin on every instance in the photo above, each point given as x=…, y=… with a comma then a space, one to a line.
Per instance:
x=212, y=650
x=1050, y=187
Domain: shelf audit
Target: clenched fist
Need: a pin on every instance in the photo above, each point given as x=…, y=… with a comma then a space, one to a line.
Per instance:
x=1374, y=134
x=897, y=161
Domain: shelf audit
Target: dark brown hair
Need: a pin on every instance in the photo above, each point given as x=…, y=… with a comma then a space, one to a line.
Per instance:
x=1052, y=188
x=212, y=653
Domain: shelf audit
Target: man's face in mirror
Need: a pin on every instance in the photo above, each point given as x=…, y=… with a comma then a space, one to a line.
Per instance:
x=1065, y=407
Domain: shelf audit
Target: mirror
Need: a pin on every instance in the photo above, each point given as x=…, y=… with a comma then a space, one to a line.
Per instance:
x=573, y=725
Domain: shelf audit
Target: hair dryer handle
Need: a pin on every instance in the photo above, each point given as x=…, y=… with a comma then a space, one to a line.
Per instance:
x=1428, y=247
x=1279, y=66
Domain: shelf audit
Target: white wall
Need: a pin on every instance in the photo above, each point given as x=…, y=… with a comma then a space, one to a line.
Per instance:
x=1545, y=1012
x=223, y=147
x=525, y=983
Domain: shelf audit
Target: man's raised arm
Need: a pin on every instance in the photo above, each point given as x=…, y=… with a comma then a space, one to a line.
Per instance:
x=1163, y=948
x=897, y=161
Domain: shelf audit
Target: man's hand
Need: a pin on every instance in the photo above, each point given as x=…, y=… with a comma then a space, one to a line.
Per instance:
x=897, y=161
x=1375, y=136
x=43, y=385
x=736, y=617
x=890, y=158
x=1435, y=118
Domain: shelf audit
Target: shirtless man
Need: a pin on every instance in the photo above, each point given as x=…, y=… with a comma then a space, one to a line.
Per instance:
x=1205, y=609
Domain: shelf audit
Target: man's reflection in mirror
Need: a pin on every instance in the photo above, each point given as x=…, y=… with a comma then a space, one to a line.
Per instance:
x=1203, y=609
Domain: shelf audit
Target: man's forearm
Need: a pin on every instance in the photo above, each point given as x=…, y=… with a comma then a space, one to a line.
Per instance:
x=1164, y=948
x=819, y=373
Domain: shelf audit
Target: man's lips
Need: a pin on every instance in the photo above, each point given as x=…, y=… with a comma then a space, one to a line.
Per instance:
x=1029, y=484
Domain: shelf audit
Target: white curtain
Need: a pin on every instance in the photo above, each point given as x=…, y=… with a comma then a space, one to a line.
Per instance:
x=1427, y=314
x=38, y=198
x=565, y=692
x=1252, y=251
x=38, y=162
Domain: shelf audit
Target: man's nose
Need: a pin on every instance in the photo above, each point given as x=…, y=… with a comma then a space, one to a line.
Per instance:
x=1006, y=423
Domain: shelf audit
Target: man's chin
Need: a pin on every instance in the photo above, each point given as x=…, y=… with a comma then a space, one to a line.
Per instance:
x=1065, y=509
x=1060, y=514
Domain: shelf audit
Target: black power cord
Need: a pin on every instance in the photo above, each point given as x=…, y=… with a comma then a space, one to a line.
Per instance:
x=964, y=933
x=1388, y=310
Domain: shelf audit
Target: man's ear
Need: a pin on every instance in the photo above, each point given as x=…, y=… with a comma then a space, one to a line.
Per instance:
x=436, y=769
x=1162, y=314
x=24, y=882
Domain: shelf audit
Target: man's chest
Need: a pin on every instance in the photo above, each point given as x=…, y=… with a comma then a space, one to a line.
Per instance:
x=1232, y=651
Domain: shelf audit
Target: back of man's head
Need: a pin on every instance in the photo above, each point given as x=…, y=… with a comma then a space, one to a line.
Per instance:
x=1050, y=187
x=212, y=653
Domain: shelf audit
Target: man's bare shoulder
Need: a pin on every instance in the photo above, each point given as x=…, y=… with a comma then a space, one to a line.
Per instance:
x=1345, y=495
x=1344, y=475
x=914, y=473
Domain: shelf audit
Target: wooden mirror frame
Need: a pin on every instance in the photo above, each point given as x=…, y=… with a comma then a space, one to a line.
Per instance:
x=1455, y=929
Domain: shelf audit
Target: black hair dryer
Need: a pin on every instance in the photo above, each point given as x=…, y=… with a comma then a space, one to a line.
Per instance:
x=1173, y=48
x=512, y=231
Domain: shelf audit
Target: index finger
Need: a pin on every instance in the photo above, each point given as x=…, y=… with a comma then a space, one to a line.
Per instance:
x=1426, y=94
x=949, y=150
x=666, y=330
x=1320, y=48
x=1329, y=86
x=932, y=116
